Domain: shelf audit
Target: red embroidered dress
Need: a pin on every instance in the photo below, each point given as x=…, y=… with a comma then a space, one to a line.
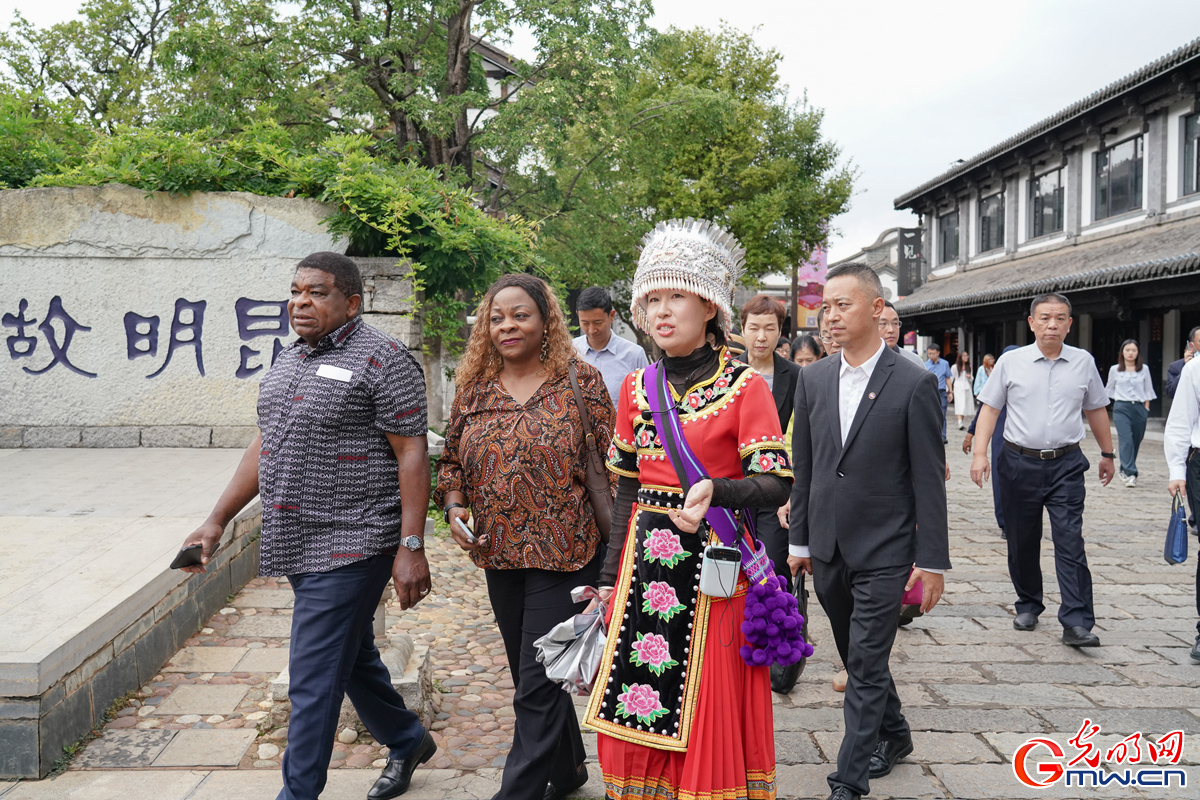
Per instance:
x=679, y=713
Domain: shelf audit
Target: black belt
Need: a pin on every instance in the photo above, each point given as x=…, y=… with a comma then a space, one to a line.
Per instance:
x=1044, y=455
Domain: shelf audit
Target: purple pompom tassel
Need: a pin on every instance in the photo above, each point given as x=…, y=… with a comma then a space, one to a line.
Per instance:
x=773, y=626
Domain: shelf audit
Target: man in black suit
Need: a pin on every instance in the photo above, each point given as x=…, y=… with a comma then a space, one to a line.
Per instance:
x=868, y=504
x=762, y=319
x=1176, y=367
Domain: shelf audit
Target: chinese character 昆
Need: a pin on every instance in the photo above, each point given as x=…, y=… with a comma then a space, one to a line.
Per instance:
x=19, y=322
x=186, y=328
x=135, y=337
x=251, y=325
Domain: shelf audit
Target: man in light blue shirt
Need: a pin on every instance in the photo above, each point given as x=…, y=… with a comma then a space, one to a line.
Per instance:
x=599, y=346
x=941, y=368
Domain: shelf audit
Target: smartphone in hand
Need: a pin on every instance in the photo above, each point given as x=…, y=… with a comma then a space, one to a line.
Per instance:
x=190, y=556
x=462, y=526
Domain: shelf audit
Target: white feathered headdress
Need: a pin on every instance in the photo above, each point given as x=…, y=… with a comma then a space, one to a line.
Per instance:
x=694, y=255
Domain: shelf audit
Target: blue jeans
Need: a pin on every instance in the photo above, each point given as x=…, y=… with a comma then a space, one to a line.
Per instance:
x=1130, y=420
x=333, y=654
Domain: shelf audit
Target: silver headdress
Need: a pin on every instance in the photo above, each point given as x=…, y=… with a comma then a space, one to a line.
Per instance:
x=694, y=255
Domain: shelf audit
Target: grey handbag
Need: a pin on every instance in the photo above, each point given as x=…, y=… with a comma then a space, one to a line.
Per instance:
x=572, y=650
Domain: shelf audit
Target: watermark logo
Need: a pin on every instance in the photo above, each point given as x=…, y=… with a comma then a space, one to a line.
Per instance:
x=1133, y=761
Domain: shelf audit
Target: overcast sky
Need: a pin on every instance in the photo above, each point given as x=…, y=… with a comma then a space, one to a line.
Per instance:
x=907, y=87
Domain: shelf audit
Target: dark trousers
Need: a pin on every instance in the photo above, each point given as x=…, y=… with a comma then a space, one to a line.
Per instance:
x=862, y=606
x=1129, y=418
x=1193, y=496
x=945, y=404
x=997, y=446
x=1028, y=486
x=332, y=655
x=547, y=746
x=775, y=538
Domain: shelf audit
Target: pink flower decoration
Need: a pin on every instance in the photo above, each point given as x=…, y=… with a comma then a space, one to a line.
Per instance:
x=693, y=400
x=664, y=547
x=721, y=383
x=660, y=598
x=652, y=650
x=641, y=701
x=766, y=463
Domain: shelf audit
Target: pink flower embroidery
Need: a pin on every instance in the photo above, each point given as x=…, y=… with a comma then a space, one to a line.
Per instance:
x=664, y=547
x=721, y=383
x=644, y=438
x=640, y=701
x=653, y=651
x=693, y=400
x=659, y=598
x=766, y=463
x=612, y=452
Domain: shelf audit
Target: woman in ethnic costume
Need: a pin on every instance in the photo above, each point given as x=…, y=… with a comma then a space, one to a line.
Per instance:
x=680, y=713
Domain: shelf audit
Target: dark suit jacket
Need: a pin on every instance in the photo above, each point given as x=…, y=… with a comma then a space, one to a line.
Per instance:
x=784, y=390
x=1173, y=371
x=881, y=499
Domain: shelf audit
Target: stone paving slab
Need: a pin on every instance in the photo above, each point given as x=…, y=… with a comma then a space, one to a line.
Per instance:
x=264, y=659
x=258, y=627
x=202, y=748
x=111, y=785
x=206, y=659
x=125, y=749
x=1039, y=695
x=266, y=598
x=203, y=700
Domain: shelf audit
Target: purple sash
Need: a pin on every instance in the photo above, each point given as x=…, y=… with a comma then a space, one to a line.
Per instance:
x=773, y=626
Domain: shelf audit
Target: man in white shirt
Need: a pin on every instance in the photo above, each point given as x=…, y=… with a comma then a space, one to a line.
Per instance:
x=599, y=346
x=1047, y=387
x=1181, y=439
x=868, y=504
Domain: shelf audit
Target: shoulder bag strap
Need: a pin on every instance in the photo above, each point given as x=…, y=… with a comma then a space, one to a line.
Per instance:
x=595, y=475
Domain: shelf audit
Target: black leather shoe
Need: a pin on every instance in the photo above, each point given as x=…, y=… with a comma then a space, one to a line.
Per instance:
x=784, y=677
x=394, y=779
x=887, y=753
x=554, y=793
x=1025, y=621
x=910, y=612
x=1195, y=654
x=1079, y=636
x=842, y=793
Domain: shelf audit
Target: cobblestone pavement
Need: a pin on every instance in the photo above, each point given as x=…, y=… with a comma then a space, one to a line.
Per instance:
x=973, y=688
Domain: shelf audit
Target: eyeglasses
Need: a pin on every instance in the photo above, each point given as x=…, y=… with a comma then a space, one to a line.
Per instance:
x=825, y=337
x=887, y=325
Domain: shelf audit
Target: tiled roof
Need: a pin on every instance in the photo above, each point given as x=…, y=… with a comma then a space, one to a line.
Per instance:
x=1163, y=65
x=1153, y=253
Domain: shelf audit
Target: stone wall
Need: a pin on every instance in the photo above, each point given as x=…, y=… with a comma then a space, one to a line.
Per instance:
x=36, y=722
x=141, y=319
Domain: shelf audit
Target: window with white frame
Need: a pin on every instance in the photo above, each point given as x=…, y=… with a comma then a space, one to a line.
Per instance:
x=948, y=237
x=1191, y=154
x=1119, y=178
x=1046, y=204
x=991, y=222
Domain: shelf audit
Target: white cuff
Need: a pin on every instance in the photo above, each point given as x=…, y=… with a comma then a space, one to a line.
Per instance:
x=1177, y=473
x=799, y=551
x=934, y=571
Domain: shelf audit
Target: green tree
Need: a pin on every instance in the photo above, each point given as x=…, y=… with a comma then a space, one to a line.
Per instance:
x=102, y=65
x=38, y=137
x=705, y=129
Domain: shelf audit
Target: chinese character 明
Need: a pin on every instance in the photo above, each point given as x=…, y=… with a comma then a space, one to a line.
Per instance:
x=140, y=330
x=1128, y=751
x=186, y=328
x=58, y=349
x=19, y=322
x=251, y=325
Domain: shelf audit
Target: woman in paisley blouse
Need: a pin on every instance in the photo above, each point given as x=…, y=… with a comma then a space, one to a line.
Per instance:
x=680, y=714
x=512, y=459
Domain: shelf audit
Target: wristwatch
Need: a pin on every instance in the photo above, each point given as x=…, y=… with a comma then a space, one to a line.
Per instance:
x=413, y=543
x=1107, y=455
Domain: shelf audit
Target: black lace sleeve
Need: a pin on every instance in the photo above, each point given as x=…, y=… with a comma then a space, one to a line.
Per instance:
x=766, y=490
x=627, y=489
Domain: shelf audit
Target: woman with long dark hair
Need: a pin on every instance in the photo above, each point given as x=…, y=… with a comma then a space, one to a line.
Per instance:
x=1131, y=390
x=683, y=700
x=964, y=400
x=513, y=459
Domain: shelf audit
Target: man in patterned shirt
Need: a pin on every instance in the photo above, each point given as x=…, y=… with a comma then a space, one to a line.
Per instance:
x=340, y=464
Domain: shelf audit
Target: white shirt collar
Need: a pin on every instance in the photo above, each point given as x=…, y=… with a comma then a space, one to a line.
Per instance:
x=867, y=366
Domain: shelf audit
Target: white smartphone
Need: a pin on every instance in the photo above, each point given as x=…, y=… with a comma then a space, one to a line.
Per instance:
x=719, y=570
x=462, y=526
